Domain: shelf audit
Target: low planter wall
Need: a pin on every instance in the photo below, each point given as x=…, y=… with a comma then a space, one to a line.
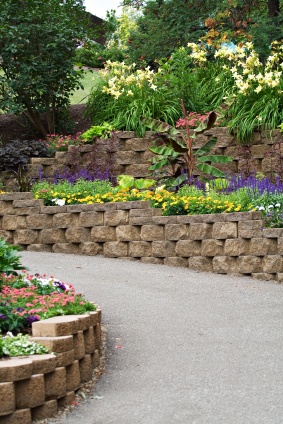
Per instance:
x=128, y=154
x=232, y=243
x=34, y=387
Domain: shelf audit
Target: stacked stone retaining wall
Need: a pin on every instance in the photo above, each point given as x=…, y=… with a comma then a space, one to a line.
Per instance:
x=34, y=387
x=128, y=154
x=228, y=243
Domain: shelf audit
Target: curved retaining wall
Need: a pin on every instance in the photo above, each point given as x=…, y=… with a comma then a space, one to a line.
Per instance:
x=33, y=387
x=232, y=243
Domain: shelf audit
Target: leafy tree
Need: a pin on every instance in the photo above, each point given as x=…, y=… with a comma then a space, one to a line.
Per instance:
x=37, y=48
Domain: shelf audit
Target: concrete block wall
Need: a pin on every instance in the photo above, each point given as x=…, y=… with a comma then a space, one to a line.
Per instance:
x=222, y=243
x=34, y=387
x=130, y=155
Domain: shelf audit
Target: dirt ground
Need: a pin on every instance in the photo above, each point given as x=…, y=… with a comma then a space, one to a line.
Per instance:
x=12, y=127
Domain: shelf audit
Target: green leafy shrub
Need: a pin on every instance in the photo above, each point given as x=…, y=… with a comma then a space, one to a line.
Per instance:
x=104, y=131
x=9, y=258
x=20, y=346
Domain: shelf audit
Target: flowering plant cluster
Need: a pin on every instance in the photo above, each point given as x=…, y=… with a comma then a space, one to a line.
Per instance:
x=250, y=90
x=28, y=298
x=19, y=345
x=60, y=143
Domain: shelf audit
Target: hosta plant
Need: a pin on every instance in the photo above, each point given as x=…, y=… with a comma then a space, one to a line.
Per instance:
x=176, y=150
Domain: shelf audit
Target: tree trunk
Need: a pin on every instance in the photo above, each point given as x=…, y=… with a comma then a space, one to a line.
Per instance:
x=273, y=8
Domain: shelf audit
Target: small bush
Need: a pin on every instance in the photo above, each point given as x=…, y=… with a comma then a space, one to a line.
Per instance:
x=17, y=153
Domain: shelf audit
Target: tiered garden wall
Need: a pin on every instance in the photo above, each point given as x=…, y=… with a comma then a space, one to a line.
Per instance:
x=130, y=155
x=34, y=387
x=221, y=243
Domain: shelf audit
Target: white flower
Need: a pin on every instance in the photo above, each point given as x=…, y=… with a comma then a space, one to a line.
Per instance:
x=261, y=208
x=278, y=205
x=270, y=206
x=59, y=202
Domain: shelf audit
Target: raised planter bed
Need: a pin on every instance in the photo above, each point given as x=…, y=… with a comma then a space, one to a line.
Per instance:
x=34, y=387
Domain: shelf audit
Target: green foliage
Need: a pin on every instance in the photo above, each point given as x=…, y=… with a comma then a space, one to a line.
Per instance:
x=18, y=152
x=177, y=152
x=95, y=55
x=129, y=182
x=37, y=52
x=9, y=258
x=20, y=346
x=123, y=94
x=9, y=321
x=165, y=26
x=103, y=131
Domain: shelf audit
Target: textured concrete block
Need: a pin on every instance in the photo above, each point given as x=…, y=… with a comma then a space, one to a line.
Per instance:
x=236, y=247
x=21, y=416
x=54, y=344
x=164, y=220
x=70, y=248
x=26, y=237
x=79, y=346
x=63, y=359
x=103, y=234
x=163, y=248
x=85, y=369
x=55, y=383
x=176, y=261
x=176, y=232
x=115, y=249
x=7, y=399
x=137, y=249
x=200, y=231
x=95, y=359
x=115, y=218
x=250, y=229
x=56, y=326
x=15, y=369
x=263, y=246
x=77, y=234
x=13, y=222
x=39, y=248
x=187, y=248
x=31, y=392
x=152, y=232
x=89, y=340
x=52, y=235
x=128, y=233
x=200, y=263
x=90, y=248
x=38, y=221
x=272, y=263
x=225, y=265
x=210, y=247
x=151, y=260
x=73, y=378
x=43, y=364
x=249, y=264
x=224, y=230
x=264, y=276
x=48, y=410
x=90, y=219
x=65, y=220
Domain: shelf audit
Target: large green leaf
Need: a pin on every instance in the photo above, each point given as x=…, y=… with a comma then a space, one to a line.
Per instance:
x=215, y=159
x=210, y=170
x=162, y=150
x=160, y=164
x=141, y=183
x=159, y=126
x=206, y=147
